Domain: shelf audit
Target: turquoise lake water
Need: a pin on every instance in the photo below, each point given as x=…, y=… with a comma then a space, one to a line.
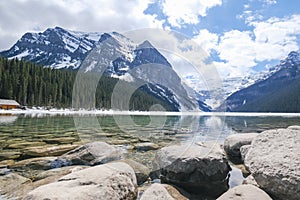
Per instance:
x=18, y=133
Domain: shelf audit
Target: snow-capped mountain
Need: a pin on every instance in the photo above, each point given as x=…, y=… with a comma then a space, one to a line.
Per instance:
x=55, y=47
x=292, y=59
x=111, y=54
x=272, y=91
x=142, y=64
x=235, y=84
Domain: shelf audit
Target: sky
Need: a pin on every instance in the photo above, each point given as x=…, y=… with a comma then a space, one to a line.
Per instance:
x=240, y=36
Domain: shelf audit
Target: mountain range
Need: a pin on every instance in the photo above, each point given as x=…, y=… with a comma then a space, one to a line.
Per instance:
x=116, y=56
x=142, y=64
x=277, y=91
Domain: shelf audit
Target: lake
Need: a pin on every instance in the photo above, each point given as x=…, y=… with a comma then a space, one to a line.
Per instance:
x=20, y=134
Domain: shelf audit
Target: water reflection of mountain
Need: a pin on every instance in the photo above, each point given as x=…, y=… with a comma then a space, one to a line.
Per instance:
x=186, y=128
x=8, y=119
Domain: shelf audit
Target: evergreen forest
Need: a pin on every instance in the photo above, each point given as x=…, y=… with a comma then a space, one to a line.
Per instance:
x=34, y=85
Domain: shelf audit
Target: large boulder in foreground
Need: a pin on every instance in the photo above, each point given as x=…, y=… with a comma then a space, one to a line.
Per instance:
x=162, y=192
x=234, y=142
x=245, y=192
x=91, y=154
x=56, y=173
x=274, y=161
x=53, y=175
x=199, y=169
x=109, y=181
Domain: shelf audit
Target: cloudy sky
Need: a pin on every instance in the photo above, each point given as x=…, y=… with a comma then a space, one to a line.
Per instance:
x=239, y=35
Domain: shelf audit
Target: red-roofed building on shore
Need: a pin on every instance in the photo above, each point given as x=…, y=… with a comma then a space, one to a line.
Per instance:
x=9, y=104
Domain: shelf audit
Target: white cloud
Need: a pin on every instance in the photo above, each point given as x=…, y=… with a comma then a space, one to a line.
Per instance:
x=279, y=36
x=250, y=15
x=246, y=6
x=180, y=12
x=239, y=50
x=269, y=2
x=20, y=16
x=206, y=40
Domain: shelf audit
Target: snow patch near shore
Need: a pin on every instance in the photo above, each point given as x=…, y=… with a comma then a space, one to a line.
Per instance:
x=42, y=111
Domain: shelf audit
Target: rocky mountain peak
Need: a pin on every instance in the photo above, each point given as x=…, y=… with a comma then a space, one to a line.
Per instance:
x=294, y=55
x=120, y=58
x=104, y=37
x=145, y=44
x=292, y=59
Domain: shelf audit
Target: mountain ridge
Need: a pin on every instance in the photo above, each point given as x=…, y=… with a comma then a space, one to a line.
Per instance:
x=277, y=92
x=59, y=48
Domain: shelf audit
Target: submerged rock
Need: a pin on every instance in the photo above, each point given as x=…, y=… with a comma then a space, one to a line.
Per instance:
x=6, y=163
x=120, y=142
x=8, y=155
x=22, y=145
x=92, y=154
x=245, y=192
x=274, y=161
x=60, y=140
x=234, y=142
x=109, y=181
x=42, y=151
x=146, y=146
x=41, y=163
x=197, y=169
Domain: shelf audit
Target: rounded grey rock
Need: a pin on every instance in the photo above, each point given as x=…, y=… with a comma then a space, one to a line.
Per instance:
x=108, y=181
x=245, y=192
x=274, y=161
x=162, y=192
x=196, y=168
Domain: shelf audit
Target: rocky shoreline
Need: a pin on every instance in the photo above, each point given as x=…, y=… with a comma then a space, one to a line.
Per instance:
x=98, y=170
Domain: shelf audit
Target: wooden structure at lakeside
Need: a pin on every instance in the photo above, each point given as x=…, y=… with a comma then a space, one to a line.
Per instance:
x=9, y=104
